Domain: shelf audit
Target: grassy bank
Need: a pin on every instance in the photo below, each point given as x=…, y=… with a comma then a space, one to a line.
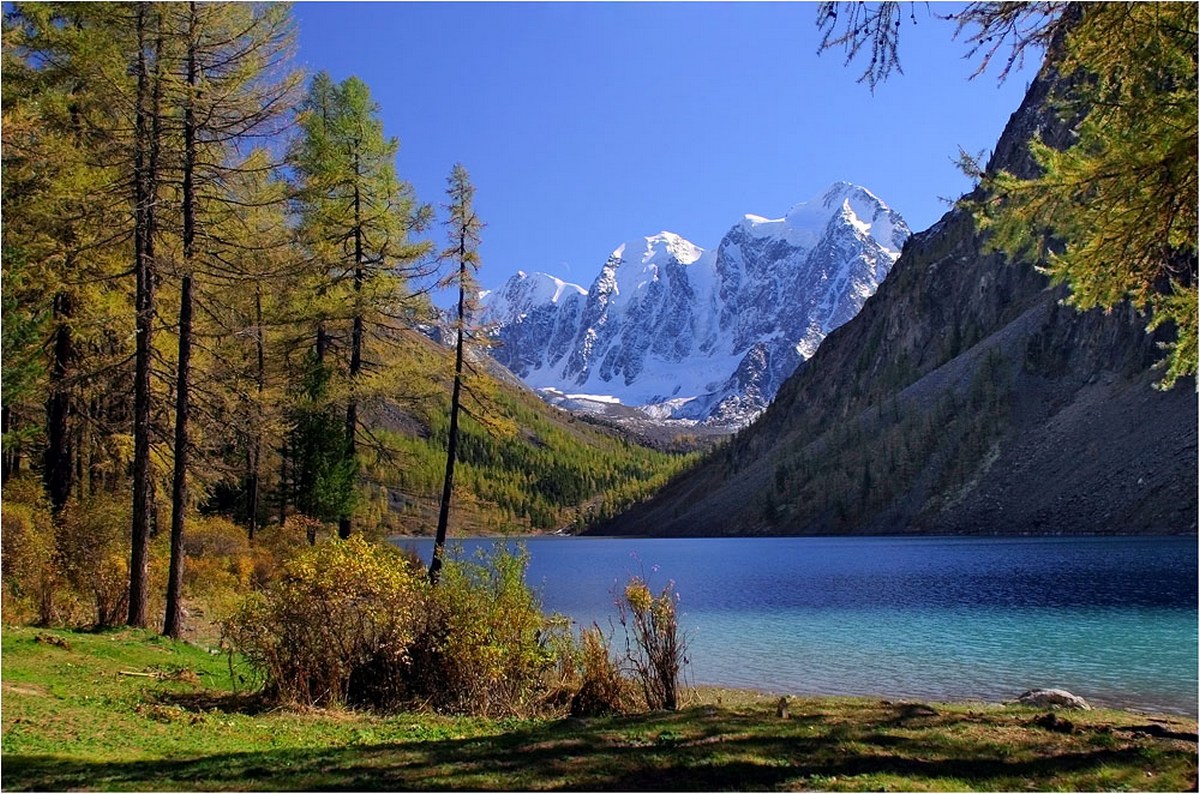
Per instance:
x=127, y=710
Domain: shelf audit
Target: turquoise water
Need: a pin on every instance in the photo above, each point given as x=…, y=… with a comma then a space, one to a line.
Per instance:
x=1111, y=619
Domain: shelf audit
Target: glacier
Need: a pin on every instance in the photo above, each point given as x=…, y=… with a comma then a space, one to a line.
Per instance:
x=680, y=333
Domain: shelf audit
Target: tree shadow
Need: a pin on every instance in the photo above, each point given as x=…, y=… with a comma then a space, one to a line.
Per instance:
x=697, y=750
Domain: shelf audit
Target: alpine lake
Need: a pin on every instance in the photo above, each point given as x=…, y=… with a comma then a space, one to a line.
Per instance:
x=1113, y=619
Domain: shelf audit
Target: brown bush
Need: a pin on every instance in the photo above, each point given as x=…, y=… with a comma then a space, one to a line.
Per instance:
x=654, y=647
x=602, y=689
x=28, y=555
x=93, y=553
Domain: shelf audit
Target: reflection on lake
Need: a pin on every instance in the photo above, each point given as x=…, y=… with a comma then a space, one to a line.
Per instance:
x=1111, y=619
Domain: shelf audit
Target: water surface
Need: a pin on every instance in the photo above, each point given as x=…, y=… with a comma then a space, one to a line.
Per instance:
x=1113, y=619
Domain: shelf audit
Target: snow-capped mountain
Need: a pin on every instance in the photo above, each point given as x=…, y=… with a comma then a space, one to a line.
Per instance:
x=699, y=335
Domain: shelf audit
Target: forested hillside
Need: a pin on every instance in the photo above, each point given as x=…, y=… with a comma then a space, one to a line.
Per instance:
x=214, y=284
x=532, y=467
x=969, y=395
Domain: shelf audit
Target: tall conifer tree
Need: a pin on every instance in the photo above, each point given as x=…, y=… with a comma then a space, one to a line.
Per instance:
x=356, y=218
x=230, y=87
x=465, y=229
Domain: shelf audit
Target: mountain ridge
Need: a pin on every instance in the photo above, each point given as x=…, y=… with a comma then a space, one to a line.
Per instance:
x=694, y=335
x=963, y=398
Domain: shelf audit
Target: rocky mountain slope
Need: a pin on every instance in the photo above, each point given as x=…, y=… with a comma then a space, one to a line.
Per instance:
x=697, y=335
x=963, y=398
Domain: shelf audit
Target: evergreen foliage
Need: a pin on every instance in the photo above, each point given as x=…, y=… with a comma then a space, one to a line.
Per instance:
x=323, y=468
x=355, y=218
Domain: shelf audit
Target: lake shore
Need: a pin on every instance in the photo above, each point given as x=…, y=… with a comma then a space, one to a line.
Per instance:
x=126, y=710
x=947, y=618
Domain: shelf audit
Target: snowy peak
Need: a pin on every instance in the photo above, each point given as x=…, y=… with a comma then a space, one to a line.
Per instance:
x=688, y=334
x=807, y=222
x=659, y=249
x=525, y=291
x=642, y=266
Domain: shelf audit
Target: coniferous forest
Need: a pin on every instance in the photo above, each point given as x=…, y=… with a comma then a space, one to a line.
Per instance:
x=217, y=303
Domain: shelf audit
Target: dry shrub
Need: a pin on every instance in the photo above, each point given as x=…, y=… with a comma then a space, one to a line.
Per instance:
x=28, y=555
x=654, y=647
x=93, y=547
x=602, y=689
x=335, y=628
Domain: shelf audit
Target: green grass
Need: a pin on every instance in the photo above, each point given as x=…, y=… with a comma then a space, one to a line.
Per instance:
x=72, y=720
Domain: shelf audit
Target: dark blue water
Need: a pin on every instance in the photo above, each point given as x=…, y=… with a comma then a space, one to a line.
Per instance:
x=1111, y=619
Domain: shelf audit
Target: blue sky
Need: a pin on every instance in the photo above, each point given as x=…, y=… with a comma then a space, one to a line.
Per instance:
x=587, y=124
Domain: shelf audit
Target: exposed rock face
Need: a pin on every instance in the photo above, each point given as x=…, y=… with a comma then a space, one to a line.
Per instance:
x=696, y=335
x=962, y=398
x=1056, y=698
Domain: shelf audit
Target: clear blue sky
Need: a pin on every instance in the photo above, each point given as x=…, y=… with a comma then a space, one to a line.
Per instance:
x=587, y=124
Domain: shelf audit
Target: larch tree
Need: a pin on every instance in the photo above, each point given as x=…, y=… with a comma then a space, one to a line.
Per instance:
x=1115, y=216
x=356, y=216
x=250, y=289
x=146, y=178
x=465, y=229
x=65, y=229
x=231, y=86
x=87, y=81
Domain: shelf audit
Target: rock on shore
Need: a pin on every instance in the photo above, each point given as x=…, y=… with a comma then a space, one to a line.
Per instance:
x=1057, y=698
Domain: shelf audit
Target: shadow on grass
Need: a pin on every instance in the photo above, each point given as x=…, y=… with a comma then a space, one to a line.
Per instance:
x=252, y=704
x=697, y=750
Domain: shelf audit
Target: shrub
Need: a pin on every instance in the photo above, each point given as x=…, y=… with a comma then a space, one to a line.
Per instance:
x=93, y=548
x=654, y=647
x=356, y=623
x=28, y=554
x=336, y=627
x=275, y=543
x=487, y=648
x=602, y=690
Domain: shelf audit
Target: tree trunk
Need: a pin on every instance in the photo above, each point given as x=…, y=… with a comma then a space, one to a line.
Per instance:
x=173, y=623
x=10, y=461
x=283, y=480
x=356, y=344
x=439, y=542
x=147, y=129
x=254, y=453
x=59, y=457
